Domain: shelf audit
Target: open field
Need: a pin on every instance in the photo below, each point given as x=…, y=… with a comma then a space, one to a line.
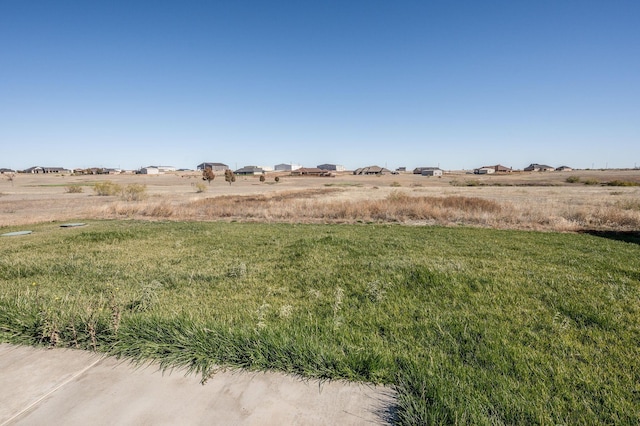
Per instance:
x=474, y=326
x=479, y=324
x=537, y=201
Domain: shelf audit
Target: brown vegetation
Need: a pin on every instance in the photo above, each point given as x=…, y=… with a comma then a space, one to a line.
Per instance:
x=518, y=201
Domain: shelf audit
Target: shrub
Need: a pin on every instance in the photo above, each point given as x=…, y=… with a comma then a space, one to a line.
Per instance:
x=73, y=189
x=134, y=192
x=395, y=184
x=591, y=181
x=262, y=178
x=200, y=187
x=107, y=188
x=622, y=183
x=277, y=179
x=572, y=179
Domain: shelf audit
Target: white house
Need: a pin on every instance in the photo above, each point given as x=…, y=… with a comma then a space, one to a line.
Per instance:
x=431, y=171
x=286, y=167
x=151, y=170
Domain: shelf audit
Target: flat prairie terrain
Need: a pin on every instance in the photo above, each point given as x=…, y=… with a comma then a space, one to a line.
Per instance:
x=538, y=201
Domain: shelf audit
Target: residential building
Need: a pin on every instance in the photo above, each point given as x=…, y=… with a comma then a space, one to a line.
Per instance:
x=332, y=167
x=371, y=170
x=431, y=171
x=40, y=169
x=538, y=168
x=564, y=169
x=286, y=167
x=150, y=170
x=309, y=171
x=216, y=167
x=249, y=171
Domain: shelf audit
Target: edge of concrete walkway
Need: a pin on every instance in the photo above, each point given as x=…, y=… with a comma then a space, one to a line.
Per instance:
x=74, y=387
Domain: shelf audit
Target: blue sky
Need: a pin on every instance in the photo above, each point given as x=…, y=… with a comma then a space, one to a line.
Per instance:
x=458, y=84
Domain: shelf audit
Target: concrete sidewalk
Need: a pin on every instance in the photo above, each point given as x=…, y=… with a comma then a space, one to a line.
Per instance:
x=70, y=387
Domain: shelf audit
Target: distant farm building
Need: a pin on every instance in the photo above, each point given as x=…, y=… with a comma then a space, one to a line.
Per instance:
x=332, y=167
x=216, y=167
x=564, y=169
x=371, y=170
x=538, y=168
x=286, y=167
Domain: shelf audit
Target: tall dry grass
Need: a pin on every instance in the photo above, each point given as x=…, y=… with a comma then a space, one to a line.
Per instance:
x=313, y=206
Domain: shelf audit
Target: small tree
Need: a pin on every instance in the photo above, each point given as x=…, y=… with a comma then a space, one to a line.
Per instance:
x=229, y=176
x=277, y=179
x=208, y=175
x=262, y=178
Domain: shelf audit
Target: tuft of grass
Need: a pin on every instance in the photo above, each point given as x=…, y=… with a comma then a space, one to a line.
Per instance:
x=107, y=188
x=591, y=181
x=134, y=192
x=200, y=187
x=572, y=179
x=73, y=189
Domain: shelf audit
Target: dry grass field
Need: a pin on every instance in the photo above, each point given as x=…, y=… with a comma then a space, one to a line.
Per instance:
x=536, y=201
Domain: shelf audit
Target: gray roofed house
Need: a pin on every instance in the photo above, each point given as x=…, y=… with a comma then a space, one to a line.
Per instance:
x=538, y=168
x=332, y=167
x=371, y=170
x=216, y=167
x=249, y=171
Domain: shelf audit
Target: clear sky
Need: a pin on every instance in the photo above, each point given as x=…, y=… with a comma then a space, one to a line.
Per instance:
x=458, y=84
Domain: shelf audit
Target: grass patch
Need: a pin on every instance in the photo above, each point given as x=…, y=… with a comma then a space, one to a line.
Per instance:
x=622, y=183
x=343, y=184
x=471, y=326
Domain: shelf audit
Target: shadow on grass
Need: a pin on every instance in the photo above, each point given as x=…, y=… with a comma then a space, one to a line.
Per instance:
x=626, y=236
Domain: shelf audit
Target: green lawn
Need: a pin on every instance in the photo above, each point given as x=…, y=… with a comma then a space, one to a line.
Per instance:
x=471, y=325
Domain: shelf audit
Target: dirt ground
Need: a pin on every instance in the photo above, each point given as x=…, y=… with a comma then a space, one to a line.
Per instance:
x=32, y=198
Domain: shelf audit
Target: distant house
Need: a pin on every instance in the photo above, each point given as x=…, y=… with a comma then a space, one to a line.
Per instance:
x=166, y=169
x=401, y=169
x=309, y=171
x=332, y=167
x=371, y=170
x=498, y=168
x=216, y=167
x=249, y=171
x=3, y=171
x=431, y=171
x=286, y=167
x=538, y=168
x=39, y=169
x=564, y=169
x=484, y=171
x=428, y=171
x=151, y=170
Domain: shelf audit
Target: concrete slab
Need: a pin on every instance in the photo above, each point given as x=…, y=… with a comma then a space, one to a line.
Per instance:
x=79, y=388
